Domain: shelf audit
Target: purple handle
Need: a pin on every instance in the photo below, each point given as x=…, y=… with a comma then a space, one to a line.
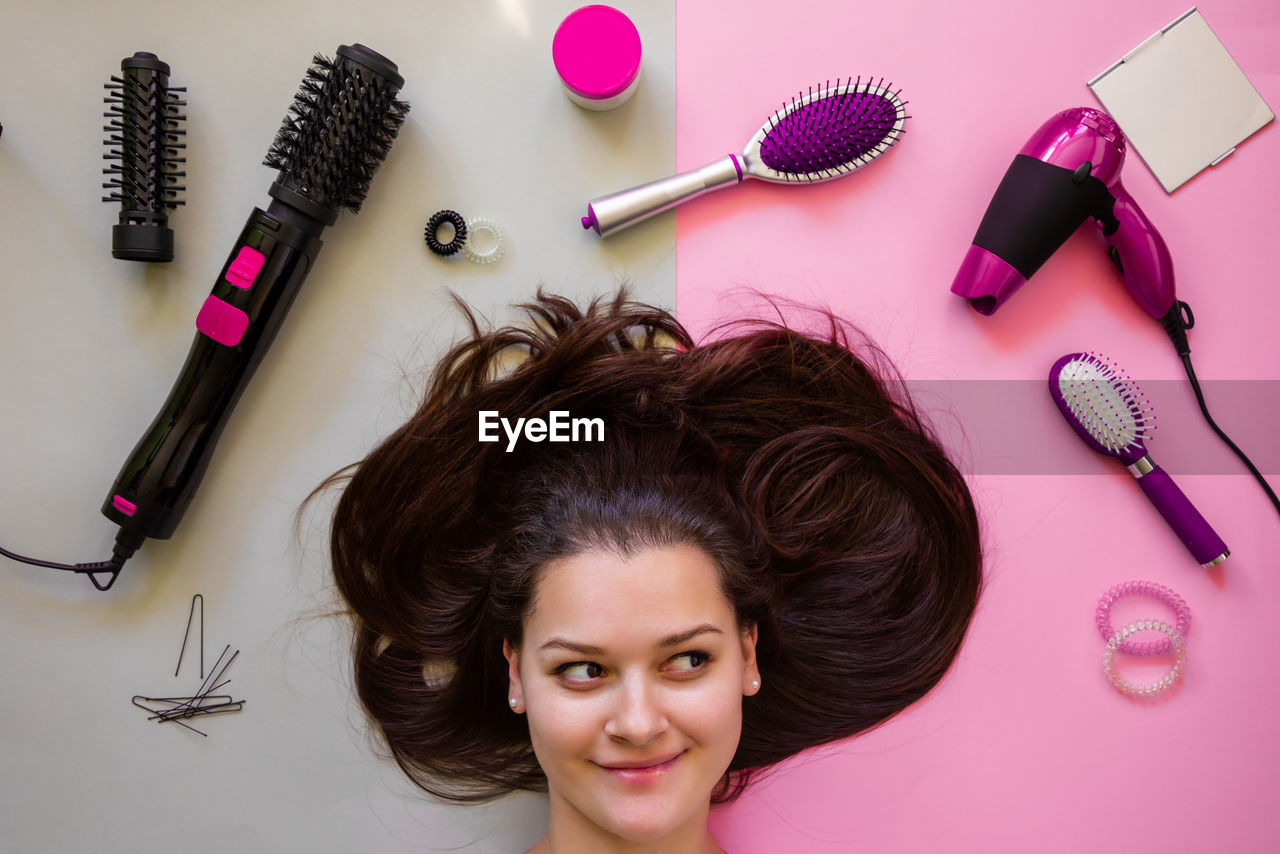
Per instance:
x=1140, y=254
x=1200, y=539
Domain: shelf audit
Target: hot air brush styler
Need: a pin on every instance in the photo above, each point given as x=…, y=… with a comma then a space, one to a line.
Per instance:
x=341, y=126
x=818, y=136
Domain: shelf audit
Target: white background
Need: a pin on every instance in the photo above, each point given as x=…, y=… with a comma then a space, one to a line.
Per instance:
x=89, y=347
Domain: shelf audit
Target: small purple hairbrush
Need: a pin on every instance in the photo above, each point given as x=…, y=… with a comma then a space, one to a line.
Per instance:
x=1111, y=415
x=818, y=136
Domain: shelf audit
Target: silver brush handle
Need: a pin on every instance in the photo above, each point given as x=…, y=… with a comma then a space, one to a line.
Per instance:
x=615, y=212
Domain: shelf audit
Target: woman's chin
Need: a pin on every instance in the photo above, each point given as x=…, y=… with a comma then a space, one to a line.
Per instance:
x=642, y=831
x=647, y=822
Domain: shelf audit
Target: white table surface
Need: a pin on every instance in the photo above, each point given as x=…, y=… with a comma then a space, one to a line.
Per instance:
x=89, y=347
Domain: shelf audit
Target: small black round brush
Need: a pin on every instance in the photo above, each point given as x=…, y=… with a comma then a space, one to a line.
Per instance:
x=143, y=135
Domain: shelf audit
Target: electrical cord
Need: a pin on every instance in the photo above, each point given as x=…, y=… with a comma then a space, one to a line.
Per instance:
x=124, y=548
x=1195, y=386
x=91, y=569
x=1176, y=323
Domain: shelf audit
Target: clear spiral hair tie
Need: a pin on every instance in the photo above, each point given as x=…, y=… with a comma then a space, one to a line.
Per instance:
x=486, y=241
x=1154, y=591
x=1174, y=640
x=1164, y=683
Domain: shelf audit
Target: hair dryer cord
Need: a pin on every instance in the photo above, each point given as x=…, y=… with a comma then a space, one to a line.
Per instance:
x=1184, y=353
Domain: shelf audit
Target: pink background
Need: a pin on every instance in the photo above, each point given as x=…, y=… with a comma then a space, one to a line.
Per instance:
x=1024, y=746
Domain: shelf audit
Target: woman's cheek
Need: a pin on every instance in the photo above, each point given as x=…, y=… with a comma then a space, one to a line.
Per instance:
x=714, y=712
x=557, y=727
x=548, y=729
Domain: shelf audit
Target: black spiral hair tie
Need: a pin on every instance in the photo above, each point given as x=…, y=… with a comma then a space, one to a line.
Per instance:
x=455, y=243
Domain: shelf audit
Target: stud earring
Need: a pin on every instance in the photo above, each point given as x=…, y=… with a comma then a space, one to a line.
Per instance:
x=513, y=702
x=755, y=684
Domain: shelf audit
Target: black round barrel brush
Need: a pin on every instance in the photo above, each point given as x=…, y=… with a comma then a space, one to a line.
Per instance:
x=340, y=127
x=143, y=134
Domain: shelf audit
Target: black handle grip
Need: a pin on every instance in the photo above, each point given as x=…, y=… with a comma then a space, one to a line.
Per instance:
x=1036, y=208
x=235, y=327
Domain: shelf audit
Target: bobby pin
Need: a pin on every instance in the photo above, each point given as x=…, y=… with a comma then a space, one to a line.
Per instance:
x=175, y=700
x=187, y=634
x=221, y=708
x=205, y=688
x=188, y=707
x=178, y=722
x=183, y=709
x=215, y=709
x=204, y=702
x=183, y=703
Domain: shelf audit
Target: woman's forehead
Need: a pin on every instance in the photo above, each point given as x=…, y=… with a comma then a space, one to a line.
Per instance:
x=653, y=593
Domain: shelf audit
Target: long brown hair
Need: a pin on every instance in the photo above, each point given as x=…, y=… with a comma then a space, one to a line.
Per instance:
x=839, y=526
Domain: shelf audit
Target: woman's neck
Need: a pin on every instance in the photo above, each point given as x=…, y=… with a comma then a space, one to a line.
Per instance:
x=571, y=832
x=569, y=844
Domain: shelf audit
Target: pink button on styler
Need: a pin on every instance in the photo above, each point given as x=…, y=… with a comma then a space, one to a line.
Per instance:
x=222, y=321
x=245, y=268
x=596, y=50
x=124, y=505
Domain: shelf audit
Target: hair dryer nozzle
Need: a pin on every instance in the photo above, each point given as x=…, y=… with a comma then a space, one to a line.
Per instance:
x=986, y=280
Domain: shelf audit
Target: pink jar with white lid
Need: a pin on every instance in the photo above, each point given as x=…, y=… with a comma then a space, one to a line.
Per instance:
x=596, y=50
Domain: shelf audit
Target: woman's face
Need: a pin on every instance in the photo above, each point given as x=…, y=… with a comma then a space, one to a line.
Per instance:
x=632, y=673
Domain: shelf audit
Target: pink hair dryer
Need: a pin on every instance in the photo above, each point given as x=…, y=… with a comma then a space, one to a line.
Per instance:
x=1069, y=171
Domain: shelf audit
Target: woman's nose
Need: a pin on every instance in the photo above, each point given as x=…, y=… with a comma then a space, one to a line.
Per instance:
x=637, y=715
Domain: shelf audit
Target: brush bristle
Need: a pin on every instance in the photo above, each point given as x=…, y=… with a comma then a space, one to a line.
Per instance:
x=341, y=126
x=1106, y=402
x=143, y=135
x=834, y=130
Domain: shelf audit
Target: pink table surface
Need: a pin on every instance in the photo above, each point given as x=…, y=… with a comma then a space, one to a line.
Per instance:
x=1024, y=746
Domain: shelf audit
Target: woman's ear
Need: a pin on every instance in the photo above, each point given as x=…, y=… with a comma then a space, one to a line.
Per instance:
x=515, y=693
x=750, y=670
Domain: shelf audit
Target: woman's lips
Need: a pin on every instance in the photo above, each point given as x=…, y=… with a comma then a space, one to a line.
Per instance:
x=647, y=774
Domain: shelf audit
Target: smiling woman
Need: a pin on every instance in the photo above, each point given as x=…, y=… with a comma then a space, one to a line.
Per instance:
x=635, y=729
x=768, y=551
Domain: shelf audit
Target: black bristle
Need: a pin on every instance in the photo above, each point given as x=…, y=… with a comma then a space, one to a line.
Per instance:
x=143, y=136
x=339, y=129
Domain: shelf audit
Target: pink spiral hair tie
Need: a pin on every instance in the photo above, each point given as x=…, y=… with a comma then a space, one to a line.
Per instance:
x=1153, y=591
x=1176, y=642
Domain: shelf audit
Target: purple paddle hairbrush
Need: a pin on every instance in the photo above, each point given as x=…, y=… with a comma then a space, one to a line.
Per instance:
x=1110, y=413
x=818, y=136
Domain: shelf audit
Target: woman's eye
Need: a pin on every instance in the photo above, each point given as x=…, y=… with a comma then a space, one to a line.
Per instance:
x=689, y=662
x=580, y=671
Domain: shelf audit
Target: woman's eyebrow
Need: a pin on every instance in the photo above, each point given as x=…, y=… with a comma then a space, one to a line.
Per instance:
x=676, y=640
x=673, y=640
x=580, y=648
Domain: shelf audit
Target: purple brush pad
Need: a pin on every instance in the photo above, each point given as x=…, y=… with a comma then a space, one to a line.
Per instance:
x=829, y=133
